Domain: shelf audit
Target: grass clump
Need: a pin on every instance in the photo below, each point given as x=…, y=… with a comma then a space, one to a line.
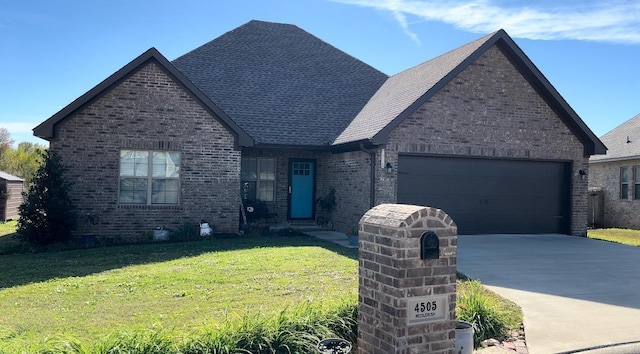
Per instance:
x=491, y=315
x=623, y=236
x=294, y=330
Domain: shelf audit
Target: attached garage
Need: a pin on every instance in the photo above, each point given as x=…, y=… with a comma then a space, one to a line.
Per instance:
x=490, y=195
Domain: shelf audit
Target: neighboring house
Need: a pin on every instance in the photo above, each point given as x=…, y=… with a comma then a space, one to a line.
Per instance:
x=478, y=132
x=11, y=188
x=614, y=179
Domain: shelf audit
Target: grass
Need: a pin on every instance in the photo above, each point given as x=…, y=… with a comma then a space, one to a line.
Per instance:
x=624, y=236
x=271, y=295
x=175, y=286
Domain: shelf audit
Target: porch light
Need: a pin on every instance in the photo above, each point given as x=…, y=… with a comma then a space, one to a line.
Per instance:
x=388, y=167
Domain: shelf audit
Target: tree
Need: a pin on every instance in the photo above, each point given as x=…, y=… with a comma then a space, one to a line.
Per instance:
x=47, y=214
x=23, y=161
x=5, y=142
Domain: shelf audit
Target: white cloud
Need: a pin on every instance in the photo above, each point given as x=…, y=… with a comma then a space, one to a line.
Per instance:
x=603, y=21
x=17, y=127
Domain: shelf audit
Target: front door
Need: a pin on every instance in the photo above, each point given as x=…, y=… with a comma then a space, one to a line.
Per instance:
x=301, y=188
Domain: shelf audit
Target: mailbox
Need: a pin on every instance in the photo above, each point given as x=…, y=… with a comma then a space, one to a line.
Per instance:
x=429, y=245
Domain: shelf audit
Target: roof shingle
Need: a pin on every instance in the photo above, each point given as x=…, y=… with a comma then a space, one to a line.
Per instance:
x=623, y=142
x=282, y=85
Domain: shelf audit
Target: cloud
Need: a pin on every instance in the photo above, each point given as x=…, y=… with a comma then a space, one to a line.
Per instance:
x=17, y=127
x=615, y=21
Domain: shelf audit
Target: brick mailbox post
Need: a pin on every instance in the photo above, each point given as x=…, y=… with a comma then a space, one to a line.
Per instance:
x=407, y=276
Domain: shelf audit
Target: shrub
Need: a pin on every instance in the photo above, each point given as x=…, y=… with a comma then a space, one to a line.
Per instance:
x=47, y=214
x=474, y=305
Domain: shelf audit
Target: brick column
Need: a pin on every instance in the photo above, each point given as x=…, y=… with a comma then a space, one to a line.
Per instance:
x=406, y=303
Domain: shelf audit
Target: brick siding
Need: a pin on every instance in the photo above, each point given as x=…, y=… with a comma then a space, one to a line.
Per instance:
x=623, y=213
x=392, y=273
x=490, y=110
x=148, y=110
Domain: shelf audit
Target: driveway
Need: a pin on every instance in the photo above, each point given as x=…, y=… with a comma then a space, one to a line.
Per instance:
x=575, y=292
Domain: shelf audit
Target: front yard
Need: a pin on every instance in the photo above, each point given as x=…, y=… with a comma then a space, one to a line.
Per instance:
x=181, y=287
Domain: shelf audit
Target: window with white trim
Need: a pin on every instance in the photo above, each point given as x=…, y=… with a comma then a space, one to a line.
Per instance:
x=149, y=177
x=258, y=178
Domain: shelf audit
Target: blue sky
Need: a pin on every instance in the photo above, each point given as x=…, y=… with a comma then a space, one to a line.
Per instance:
x=54, y=51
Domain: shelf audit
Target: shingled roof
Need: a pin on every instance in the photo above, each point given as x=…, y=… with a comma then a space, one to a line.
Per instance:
x=282, y=85
x=404, y=93
x=623, y=142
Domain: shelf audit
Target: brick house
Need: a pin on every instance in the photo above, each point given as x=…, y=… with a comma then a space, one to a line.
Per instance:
x=11, y=188
x=478, y=132
x=614, y=179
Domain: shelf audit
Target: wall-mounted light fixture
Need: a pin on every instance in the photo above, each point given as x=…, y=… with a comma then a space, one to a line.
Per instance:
x=388, y=167
x=582, y=174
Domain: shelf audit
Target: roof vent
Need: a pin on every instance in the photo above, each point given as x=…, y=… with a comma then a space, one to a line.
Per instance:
x=628, y=140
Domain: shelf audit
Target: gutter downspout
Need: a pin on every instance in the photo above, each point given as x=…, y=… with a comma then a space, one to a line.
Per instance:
x=372, y=190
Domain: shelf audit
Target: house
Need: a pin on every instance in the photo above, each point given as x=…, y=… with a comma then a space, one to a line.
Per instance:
x=614, y=179
x=11, y=188
x=270, y=112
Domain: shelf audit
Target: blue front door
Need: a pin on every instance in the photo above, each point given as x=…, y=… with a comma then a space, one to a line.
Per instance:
x=301, y=189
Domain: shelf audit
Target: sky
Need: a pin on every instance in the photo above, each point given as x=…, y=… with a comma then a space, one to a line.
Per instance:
x=52, y=52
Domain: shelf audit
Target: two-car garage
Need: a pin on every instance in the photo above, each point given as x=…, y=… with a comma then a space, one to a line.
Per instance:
x=490, y=195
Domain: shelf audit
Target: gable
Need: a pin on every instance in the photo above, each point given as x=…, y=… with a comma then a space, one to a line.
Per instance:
x=46, y=130
x=376, y=121
x=488, y=109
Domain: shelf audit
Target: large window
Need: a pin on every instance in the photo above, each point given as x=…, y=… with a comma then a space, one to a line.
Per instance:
x=149, y=177
x=625, y=177
x=258, y=179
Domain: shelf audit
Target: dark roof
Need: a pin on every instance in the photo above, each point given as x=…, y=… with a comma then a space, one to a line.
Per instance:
x=404, y=93
x=46, y=129
x=8, y=177
x=623, y=142
x=282, y=85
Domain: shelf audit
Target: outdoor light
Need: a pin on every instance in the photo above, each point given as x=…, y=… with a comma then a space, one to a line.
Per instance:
x=582, y=174
x=388, y=167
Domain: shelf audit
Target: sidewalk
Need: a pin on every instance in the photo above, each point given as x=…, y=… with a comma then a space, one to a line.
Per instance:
x=332, y=236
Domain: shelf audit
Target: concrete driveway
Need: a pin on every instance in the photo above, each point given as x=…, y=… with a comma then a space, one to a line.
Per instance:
x=575, y=293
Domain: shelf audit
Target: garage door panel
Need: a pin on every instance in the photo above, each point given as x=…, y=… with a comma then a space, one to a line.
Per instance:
x=489, y=195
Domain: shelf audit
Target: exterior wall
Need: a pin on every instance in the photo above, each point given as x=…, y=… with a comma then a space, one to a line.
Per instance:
x=622, y=213
x=281, y=203
x=350, y=174
x=490, y=110
x=149, y=111
x=9, y=207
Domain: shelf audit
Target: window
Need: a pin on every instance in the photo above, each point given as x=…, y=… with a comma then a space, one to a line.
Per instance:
x=625, y=177
x=636, y=182
x=149, y=177
x=258, y=179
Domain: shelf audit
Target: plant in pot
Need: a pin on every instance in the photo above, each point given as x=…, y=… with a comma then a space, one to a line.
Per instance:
x=352, y=235
x=327, y=205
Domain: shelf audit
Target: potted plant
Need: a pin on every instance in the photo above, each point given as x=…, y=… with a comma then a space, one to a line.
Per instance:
x=352, y=235
x=327, y=204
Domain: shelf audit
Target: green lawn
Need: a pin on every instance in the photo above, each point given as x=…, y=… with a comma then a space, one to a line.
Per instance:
x=88, y=294
x=624, y=236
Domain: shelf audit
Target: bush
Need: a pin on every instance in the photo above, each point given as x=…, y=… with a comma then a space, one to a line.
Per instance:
x=47, y=214
x=474, y=305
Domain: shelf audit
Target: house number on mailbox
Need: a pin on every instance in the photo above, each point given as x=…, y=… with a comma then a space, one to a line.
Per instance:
x=429, y=245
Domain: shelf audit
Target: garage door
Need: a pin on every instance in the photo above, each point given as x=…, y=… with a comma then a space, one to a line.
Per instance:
x=489, y=195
